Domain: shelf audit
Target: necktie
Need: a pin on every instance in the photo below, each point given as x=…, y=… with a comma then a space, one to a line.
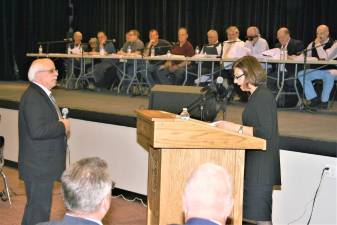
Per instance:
x=55, y=106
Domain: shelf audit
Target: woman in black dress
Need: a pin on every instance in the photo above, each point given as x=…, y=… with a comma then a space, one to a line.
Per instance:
x=259, y=118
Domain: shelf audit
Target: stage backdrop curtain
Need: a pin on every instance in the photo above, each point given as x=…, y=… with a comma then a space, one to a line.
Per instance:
x=23, y=24
x=26, y=22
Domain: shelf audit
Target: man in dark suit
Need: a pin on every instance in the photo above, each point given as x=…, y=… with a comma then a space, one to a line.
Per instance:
x=42, y=141
x=207, y=198
x=86, y=188
x=293, y=47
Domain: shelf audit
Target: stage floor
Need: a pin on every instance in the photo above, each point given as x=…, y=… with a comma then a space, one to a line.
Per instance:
x=320, y=126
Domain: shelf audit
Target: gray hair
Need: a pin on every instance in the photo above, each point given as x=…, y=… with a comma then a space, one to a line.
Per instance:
x=85, y=184
x=34, y=69
x=209, y=186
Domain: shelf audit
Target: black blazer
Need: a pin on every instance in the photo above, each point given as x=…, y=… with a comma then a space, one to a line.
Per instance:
x=42, y=141
x=262, y=167
x=294, y=47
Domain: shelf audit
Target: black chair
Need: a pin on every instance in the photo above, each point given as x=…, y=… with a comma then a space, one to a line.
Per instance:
x=5, y=194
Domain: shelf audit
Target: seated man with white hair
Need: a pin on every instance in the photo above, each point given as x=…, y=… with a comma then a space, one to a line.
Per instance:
x=207, y=198
x=86, y=188
x=255, y=42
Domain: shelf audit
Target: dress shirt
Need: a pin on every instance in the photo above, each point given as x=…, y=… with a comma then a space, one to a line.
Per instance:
x=260, y=46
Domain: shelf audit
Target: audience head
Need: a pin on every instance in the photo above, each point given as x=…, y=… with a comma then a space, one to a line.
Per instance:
x=43, y=72
x=212, y=37
x=86, y=188
x=322, y=33
x=182, y=35
x=249, y=73
x=233, y=33
x=102, y=38
x=283, y=35
x=153, y=35
x=77, y=36
x=208, y=194
x=253, y=34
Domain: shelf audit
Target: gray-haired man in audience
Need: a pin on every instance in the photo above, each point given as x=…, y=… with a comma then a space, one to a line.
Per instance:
x=207, y=196
x=86, y=188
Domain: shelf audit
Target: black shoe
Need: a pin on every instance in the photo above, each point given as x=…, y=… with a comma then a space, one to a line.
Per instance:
x=324, y=105
x=315, y=103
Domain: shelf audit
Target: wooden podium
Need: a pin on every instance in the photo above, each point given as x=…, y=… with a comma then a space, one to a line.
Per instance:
x=177, y=147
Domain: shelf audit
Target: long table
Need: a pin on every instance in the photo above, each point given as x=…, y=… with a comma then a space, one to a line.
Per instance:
x=198, y=59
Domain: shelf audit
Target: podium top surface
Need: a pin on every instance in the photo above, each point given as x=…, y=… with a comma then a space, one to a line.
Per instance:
x=161, y=129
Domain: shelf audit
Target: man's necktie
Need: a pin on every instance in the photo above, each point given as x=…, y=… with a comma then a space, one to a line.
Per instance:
x=55, y=106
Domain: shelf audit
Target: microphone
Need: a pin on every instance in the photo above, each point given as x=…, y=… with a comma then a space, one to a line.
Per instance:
x=68, y=40
x=113, y=40
x=65, y=112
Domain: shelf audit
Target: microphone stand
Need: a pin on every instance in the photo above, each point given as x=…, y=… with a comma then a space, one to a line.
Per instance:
x=305, y=52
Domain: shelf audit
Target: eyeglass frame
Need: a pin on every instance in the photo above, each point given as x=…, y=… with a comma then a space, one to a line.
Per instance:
x=49, y=71
x=238, y=77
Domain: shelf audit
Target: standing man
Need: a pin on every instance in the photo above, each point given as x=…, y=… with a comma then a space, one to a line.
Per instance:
x=42, y=141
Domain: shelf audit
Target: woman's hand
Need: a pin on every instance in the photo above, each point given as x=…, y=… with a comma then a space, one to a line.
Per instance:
x=228, y=126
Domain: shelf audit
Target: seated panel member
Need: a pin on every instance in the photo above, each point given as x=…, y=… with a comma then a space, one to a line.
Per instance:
x=255, y=42
x=293, y=47
x=173, y=72
x=86, y=188
x=76, y=47
x=93, y=46
x=213, y=47
x=136, y=47
x=326, y=50
x=160, y=46
x=104, y=47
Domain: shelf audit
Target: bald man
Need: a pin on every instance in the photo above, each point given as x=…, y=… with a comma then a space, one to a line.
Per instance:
x=321, y=43
x=207, y=198
x=321, y=48
x=42, y=141
x=293, y=46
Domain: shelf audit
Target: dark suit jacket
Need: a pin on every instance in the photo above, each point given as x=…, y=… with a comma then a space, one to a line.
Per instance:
x=198, y=221
x=69, y=220
x=294, y=47
x=42, y=142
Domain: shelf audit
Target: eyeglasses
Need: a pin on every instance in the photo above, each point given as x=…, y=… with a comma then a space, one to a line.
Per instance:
x=237, y=77
x=49, y=71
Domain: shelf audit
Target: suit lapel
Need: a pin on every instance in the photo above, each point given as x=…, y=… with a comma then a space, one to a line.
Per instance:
x=46, y=98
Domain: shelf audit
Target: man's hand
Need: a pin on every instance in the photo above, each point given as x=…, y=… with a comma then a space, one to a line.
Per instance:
x=66, y=123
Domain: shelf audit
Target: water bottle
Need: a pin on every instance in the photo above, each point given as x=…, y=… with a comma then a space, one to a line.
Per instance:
x=129, y=49
x=285, y=54
x=197, y=51
x=40, y=49
x=168, y=53
x=81, y=49
x=69, y=49
x=153, y=53
x=184, y=115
